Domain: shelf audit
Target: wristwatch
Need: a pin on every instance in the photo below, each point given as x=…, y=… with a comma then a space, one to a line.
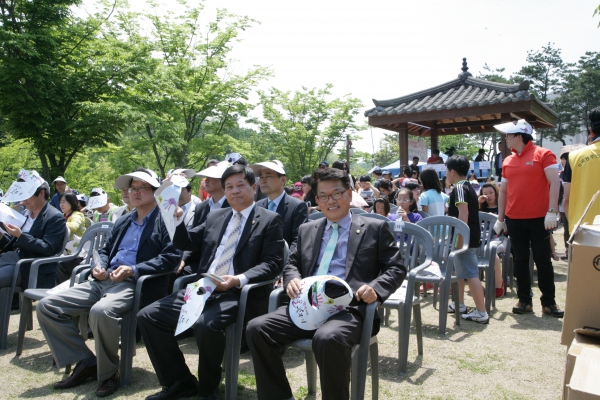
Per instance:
x=552, y=210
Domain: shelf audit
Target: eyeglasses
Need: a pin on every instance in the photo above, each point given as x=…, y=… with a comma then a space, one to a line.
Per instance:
x=322, y=166
x=138, y=189
x=403, y=200
x=335, y=196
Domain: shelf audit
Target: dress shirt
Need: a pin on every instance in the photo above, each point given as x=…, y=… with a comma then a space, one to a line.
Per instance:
x=277, y=200
x=128, y=248
x=337, y=267
x=28, y=222
x=230, y=226
x=186, y=208
x=215, y=206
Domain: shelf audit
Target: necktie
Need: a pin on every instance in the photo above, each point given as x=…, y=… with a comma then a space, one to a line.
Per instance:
x=222, y=266
x=329, y=250
x=271, y=206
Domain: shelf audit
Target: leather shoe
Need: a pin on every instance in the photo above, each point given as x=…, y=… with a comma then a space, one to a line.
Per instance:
x=108, y=386
x=80, y=374
x=177, y=390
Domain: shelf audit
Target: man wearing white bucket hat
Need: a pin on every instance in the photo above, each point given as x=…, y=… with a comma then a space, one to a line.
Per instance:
x=360, y=251
x=529, y=169
x=100, y=203
x=139, y=244
x=293, y=212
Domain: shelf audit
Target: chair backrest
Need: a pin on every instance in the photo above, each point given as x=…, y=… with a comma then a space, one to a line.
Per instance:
x=357, y=211
x=65, y=240
x=94, y=238
x=487, y=221
x=423, y=214
x=417, y=244
x=315, y=215
x=444, y=230
x=374, y=216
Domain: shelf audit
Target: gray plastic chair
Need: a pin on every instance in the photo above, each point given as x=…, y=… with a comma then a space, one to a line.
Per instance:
x=360, y=354
x=486, y=257
x=423, y=214
x=6, y=293
x=375, y=216
x=416, y=250
x=233, y=332
x=357, y=211
x=444, y=229
x=316, y=215
x=95, y=236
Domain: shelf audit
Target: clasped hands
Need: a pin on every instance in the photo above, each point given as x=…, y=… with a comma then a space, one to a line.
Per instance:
x=365, y=293
x=121, y=273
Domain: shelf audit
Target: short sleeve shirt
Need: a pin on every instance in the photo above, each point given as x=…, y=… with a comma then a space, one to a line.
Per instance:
x=464, y=193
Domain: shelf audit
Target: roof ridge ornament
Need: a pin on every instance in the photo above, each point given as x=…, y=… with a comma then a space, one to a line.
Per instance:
x=465, y=74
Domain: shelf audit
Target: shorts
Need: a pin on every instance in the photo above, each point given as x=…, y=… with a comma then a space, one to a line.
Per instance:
x=466, y=264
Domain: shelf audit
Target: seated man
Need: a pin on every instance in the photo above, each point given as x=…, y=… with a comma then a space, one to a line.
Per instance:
x=139, y=244
x=41, y=235
x=362, y=251
x=243, y=244
x=100, y=204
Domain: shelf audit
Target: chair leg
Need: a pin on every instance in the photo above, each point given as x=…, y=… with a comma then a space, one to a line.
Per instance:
x=455, y=298
x=435, y=294
x=26, y=312
x=232, y=361
x=374, y=349
x=311, y=372
x=404, y=311
x=128, y=325
x=5, y=303
x=418, y=327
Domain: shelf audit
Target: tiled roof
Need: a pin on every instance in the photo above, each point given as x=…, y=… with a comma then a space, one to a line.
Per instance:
x=465, y=91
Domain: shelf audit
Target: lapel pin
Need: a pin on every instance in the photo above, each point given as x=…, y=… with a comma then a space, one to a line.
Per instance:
x=358, y=231
x=253, y=222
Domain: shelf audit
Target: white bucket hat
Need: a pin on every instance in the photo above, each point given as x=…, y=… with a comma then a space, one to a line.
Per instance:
x=267, y=164
x=314, y=306
x=216, y=171
x=124, y=181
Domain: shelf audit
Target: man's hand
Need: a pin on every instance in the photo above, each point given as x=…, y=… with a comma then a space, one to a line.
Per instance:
x=366, y=293
x=549, y=222
x=181, y=267
x=230, y=282
x=293, y=288
x=100, y=273
x=121, y=273
x=178, y=214
x=499, y=227
x=12, y=230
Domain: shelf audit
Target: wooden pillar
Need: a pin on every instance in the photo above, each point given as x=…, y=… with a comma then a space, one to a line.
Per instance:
x=403, y=145
x=434, y=139
x=505, y=117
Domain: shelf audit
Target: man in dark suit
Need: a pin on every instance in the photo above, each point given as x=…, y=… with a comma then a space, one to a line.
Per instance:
x=293, y=212
x=139, y=244
x=42, y=235
x=365, y=256
x=243, y=244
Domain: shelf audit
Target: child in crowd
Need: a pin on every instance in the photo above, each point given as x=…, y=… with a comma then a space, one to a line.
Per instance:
x=381, y=206
x=407, y=207
x=433, y=200
x=488, y=202
x=464, y=206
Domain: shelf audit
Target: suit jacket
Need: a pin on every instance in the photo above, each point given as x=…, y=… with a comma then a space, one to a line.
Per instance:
x=155, y=253
x=259, y=252
x=372, y=258
x=44, y=239
x=201, y=211
x=293, y=212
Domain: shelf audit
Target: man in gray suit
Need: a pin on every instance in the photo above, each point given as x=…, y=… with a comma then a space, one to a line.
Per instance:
x=363, y=252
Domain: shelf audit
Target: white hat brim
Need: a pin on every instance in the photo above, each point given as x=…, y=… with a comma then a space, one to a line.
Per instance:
x=189, y=173
x=216, y=172
x=124, y=181
x=269, y=165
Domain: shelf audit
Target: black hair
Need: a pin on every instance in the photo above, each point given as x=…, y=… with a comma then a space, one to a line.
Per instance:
x=481, y=151
x=386, y=205
x=594, y=117
x=369, y=203
x=306, y=179
x=242, y=161
x=526, y=138
x=329, y=174
x=341, y=164
x=413, y=204
x=212, y=161
x=435, y=151
x=564, y=156
x=46, y=188
x=460, y=164
x=429, y=179
x=407, y=171
x=72, y=200
x=288, y=189
x=385, y=184
x=416, y=158
x=238, y=169
x=189, y=187
x=364, y=178
x=472, y=175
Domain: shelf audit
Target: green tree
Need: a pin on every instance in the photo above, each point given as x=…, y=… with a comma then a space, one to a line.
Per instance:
x=388, y=150
x=60, y=79
x=493, y=75
x=304, y=127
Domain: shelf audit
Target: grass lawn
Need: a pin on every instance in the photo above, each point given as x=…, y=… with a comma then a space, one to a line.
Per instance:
x=514, y=357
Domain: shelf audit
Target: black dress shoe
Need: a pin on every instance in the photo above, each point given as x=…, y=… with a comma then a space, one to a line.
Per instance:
x=108, y=386
x=177, y=390
x=80, y=374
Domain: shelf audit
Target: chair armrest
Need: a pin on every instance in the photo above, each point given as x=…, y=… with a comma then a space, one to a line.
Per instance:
x=35, y=267
x=138, y=289
x=182, y=281
x=78, y=269
x=368, y=322
x=244, y=297
x=275, y=298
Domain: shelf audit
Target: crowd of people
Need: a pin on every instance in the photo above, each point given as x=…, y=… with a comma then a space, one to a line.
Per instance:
x=235, y=229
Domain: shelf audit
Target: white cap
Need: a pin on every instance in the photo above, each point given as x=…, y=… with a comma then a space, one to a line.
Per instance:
x=216, y=171
x=59, y=179
x=82, y=197
x=521, y=126
x=313, y=306
x=124, y=181
x=267, y=164
x=99, y=198
x=189, y=173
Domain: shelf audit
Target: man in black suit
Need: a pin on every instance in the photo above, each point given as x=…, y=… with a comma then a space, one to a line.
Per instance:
x=42, y=235
x=293, y=212
x=365, y=256
x=243, y=244
x=139, y=244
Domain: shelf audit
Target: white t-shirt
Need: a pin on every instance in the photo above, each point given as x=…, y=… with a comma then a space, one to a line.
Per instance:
x=435, y=202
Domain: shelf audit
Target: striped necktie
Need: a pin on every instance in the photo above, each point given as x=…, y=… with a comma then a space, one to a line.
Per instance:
x=329, y=250
x=222, y=266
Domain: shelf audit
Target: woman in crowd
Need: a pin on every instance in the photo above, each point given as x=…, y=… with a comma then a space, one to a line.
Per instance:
x=447, y=186
x=69, y=205
x=488, y=202
x=433, y=200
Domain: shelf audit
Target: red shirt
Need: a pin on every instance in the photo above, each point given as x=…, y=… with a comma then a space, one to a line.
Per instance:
x=527, y=188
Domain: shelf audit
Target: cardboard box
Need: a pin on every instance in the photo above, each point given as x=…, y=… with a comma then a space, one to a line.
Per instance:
x=583, y=278
x=582, y=347
x=584, y=383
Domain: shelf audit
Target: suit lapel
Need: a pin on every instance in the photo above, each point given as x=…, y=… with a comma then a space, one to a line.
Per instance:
x=38, y=220
x=251, y=223
x=313, y=245
x=149, y=226
x=356, y=234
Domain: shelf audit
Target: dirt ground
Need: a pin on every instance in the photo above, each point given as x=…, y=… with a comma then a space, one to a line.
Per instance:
x=514, y=357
